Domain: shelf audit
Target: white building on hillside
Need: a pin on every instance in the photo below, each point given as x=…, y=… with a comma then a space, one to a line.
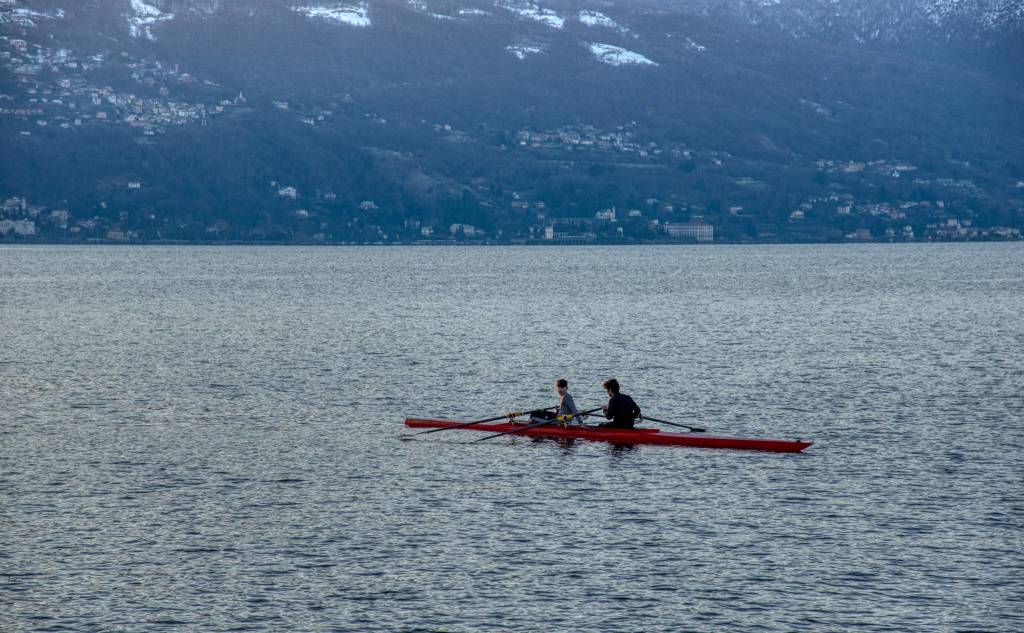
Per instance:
x=693, y=230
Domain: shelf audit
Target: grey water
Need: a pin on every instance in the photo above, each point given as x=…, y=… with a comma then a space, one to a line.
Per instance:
x=211, y=439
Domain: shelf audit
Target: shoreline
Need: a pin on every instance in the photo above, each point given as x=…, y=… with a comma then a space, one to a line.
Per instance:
x=453, y=244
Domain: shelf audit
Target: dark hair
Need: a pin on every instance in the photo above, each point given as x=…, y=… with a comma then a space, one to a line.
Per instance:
x=562, y=382
x=612, y=385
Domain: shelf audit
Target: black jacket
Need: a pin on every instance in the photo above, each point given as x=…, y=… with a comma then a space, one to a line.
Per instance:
x=621, y=411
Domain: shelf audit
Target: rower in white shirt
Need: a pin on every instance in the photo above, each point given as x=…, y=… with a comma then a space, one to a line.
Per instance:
x=566, y=406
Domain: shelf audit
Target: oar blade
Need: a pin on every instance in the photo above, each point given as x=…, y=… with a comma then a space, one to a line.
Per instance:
x=459, y=426
x=509, y=416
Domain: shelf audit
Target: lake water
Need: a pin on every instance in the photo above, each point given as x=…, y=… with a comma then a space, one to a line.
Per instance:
x=209, y=439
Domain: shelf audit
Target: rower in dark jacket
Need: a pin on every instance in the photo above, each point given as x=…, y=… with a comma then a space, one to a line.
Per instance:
x=621, y=409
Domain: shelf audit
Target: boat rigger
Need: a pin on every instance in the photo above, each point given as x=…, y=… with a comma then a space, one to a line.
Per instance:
x=616, y=435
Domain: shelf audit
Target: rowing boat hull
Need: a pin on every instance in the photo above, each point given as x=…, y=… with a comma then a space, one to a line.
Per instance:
x=623, y=436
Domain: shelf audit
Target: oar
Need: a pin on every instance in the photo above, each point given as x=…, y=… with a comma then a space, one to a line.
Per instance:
x=682, y=426
x=536, y=424
x=514, y=414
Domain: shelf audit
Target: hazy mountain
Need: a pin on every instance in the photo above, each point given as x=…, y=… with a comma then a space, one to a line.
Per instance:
x=960, y=22
x=509, y=114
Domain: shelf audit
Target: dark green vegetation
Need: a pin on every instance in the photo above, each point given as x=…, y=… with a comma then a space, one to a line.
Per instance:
x=418, y=122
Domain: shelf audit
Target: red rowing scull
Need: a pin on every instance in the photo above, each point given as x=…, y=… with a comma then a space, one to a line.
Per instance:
x=624, y=436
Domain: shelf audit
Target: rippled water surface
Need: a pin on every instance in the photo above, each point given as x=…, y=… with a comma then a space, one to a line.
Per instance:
x=209, y=439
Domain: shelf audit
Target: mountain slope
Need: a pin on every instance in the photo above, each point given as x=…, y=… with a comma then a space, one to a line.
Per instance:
x=439, y=113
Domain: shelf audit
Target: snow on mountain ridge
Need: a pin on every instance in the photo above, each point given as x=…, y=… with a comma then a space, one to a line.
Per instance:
x=351, y=15
x=534, y=12
x=143, y=18
x=524, y=51
x=873, y=20
x=618, y=56
x=957, y=23
x=595, y=18
x=990, y=13
x=982, y=22
x=23, y=16
x=421, y=7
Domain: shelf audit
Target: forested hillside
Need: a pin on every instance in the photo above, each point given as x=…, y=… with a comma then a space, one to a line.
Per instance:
x=568, y=121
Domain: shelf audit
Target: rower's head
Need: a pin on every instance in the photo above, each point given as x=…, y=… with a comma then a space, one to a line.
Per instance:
x=562, y=386
x=611, y=386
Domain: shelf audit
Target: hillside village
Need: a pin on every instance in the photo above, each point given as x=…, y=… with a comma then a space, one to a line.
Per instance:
x=654, y=221
x=55, y=88
x=658, y=190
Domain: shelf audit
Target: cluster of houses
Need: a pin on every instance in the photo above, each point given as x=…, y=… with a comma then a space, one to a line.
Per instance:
x=610, y=222
x=544, y=228
x=658, y=220
x=18, y=217
x=952, y=230
x=22, y=220
x=838, y=205
x=53, y=88
x=948, y=225
x=54, y=91
x=623, y=139
x=893, y=169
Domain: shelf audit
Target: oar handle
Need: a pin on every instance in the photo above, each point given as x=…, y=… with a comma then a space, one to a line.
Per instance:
x=528, y=426
x=568, y=417
x=560, y=418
